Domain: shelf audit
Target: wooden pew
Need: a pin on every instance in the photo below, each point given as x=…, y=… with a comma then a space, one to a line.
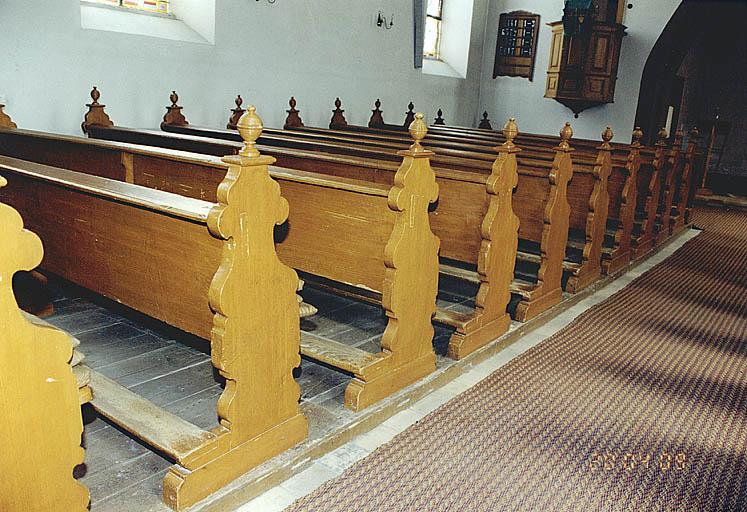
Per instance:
x=380, y=256
x=588, y=190
x=41, y=390
x=119, y=239
x=683, y=195
x=581, y=272
x=468, y=234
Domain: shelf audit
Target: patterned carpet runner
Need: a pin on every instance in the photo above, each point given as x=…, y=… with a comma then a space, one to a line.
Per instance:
x=640, y=404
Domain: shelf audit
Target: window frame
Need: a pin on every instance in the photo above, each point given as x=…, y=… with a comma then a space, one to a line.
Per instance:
x=439, y=32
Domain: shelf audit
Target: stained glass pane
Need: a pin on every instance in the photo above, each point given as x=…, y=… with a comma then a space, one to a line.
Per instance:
x=434, y=8
x=432, y=37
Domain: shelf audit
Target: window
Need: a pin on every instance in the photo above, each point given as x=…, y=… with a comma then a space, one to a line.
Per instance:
x=517, y=44
x=433, y=23
x=157, y=6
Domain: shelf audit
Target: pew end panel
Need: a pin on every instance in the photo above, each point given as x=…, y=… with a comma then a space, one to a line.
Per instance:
x=623, y=204
x=554, y=239
x=496, y=256
x=120, y=242
x=41, y=425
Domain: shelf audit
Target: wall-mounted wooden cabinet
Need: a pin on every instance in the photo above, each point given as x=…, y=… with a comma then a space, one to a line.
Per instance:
x=583, y=67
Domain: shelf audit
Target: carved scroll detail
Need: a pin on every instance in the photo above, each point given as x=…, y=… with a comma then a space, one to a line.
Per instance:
x=485, y=122
x=236, y=114
x=621, y=248
x=674, y=169
x=5, y=120
x=174, y=116
x=96, y=115
x=409, y=115
x=554, y=232
x=41, y=438
x=439, y=121
x=644, y=241
x=377, y=118
x=255, y=339
x=410, y=283
x=596, y=218
x=497, y=258
x=338, y=121
x=294, y=119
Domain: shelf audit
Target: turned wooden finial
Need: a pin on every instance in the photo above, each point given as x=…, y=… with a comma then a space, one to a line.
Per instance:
x=410, y=114
x=661, y=137
x=607, y=136
x=3, y=182
x=485, y=123
x=694, y=133
x=510, y=131
x=5, y=120
x=174, y=116
x=236, y=113
x=637, y=136
x=439, y=118
x=96, y=116
x=294, y=119
x=250, y=128
x=377, y=119
x=338, y=119
x=418, y=130
x=565, y=135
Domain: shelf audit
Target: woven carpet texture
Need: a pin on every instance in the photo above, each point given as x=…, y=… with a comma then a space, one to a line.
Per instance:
x=640, y=404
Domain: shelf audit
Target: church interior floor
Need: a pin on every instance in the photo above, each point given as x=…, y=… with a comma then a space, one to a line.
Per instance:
x=174, y=371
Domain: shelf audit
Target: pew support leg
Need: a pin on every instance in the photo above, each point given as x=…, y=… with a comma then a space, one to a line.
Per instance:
x=185, y=486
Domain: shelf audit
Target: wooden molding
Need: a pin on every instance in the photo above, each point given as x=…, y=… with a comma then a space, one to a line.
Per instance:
x=411, y=280
x=174, y=116
x=96, y=115
x=41, y=437
x=338, y=121
x=377, y=118
x=5, y=120
x=485, y=122
x=236, y=113
x=294, y=119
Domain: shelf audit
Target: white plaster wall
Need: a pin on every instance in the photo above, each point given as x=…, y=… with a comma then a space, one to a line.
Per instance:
x=505, y=97
x=315, y=50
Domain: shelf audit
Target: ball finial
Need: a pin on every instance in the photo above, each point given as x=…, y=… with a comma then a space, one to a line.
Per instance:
x=95, y=95
x=377, y=103
x=173, y=97
x=292, y=102
x=238, y=101
x=566, y=132
x=694, y=133
x=510, y=130
x=637, y=135
x=607, y=134
x=338, y=103
x=250, y=127
x=662, y=135
x=3, y=182
x=418, y=130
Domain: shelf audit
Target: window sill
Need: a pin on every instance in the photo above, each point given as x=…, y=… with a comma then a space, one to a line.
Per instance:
x=439, y=68
x=127, y=21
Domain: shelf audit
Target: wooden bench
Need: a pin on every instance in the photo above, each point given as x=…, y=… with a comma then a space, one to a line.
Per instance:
x=42, y=387
x=119, y=239
x=587, y=193
x=385, y=249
